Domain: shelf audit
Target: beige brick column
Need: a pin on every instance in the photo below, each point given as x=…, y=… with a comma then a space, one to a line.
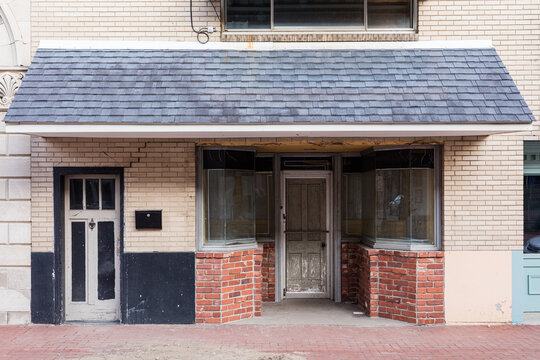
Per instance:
x=483, y=224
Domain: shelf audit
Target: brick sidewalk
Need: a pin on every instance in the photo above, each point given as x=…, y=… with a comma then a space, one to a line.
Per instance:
x=227, y=342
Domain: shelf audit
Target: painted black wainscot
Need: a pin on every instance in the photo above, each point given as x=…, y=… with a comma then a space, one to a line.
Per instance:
x=159, y=288
x=42, y=302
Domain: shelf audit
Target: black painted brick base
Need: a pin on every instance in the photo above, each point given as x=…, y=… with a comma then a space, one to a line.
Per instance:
x=159, y=288
x=42, y=298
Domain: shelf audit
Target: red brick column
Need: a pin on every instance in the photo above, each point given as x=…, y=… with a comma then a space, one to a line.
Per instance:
x=397, y=285
x=228, y=286
x=349, y=272
x=368, y=280
x=268, y=272
x=402, y=285
x=430, y=288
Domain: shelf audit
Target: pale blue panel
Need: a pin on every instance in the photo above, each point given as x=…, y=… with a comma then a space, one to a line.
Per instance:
x=534, y=285
x=518, y=293
x=531, y=282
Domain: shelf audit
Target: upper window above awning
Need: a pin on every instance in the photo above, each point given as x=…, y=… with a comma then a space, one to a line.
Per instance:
x=320, y=87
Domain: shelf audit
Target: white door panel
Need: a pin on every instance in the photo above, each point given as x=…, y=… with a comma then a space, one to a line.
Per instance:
x=92, y=248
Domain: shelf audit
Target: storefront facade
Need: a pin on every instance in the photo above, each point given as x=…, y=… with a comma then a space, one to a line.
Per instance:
x=165, y=190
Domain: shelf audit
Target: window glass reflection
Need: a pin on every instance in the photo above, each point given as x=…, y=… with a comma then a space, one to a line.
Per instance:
x=389, y=14
x=318, y=13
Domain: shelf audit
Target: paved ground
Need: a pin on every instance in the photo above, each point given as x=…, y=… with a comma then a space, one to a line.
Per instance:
x=316, y=312
x=258, y=342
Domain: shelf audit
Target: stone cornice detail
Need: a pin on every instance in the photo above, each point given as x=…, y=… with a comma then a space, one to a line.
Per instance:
x=9, y=84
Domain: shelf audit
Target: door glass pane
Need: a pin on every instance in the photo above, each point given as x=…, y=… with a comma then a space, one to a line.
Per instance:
x=75, y=194
x=248, y=14
x=78, y=261
x=389, y=14
x=106, y=271
x=107, y=194
x=92, y=194
x=318, y=12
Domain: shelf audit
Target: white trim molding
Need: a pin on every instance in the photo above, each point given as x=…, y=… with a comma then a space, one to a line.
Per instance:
x=262, y=130
x=193, y=45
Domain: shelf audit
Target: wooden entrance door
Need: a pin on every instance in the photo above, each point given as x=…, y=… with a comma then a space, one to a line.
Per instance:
x=92, y=248
x=306, y=237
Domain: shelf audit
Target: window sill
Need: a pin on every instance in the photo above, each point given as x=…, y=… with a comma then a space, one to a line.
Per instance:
x=389, y=244
x=318, y=35
x=228, y=248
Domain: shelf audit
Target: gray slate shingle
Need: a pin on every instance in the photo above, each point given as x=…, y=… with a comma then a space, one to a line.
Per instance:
x=280, y=86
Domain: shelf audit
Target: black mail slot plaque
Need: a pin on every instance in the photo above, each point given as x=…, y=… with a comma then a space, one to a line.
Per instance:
x=148, y=219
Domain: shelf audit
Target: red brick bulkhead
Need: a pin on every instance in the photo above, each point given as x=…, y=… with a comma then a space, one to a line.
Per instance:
x=400, y=285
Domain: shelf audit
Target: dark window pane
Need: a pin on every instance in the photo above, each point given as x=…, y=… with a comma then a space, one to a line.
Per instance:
x=92, y=194
x=229, y=159
x=106, y=271
x=531, y=213
x=248, y=14
x=392, y=159
x=306, y=163
x=78, y=261
x=107, y=194
x=264, y=164
x=422, y=158
x=75, y=194
x=229, y=205
x=318, y=12
x=389, y=14
x=353, y=164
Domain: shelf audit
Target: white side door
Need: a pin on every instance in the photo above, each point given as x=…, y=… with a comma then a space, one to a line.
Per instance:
x=92, y=247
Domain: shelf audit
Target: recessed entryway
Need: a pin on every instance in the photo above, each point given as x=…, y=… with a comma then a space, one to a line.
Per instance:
x=316, y=312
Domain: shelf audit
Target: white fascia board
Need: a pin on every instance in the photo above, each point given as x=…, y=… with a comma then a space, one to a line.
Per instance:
x=254, y=46
x=264, y=130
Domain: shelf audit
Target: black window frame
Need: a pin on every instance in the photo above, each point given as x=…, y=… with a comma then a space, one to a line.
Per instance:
x=327, y=28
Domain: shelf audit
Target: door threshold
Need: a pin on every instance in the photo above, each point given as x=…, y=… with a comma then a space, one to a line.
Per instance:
x=92, y=322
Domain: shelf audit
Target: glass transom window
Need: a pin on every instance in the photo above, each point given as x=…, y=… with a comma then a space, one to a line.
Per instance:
x=367, y=15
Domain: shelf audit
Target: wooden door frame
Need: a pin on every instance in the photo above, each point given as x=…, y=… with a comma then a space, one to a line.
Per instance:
x=282, y=253
x=59, y=174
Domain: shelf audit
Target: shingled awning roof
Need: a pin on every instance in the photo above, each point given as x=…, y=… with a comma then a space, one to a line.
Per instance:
x=245, y=87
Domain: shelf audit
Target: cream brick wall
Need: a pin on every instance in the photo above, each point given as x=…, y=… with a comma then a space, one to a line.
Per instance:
x=483, y=193
x=157, y=175
x=120, y=20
